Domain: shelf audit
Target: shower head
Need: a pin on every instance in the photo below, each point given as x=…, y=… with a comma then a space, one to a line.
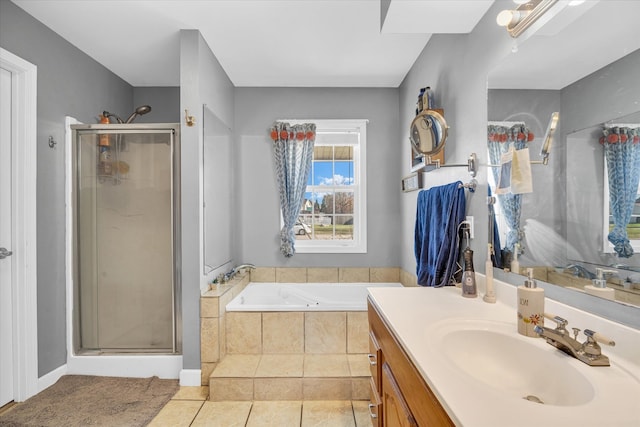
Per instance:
x=143, y=109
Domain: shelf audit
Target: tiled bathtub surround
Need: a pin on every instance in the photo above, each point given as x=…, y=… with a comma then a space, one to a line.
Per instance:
x=247, y=333
x=213, y=342
x=326, y=274
x=309, y=332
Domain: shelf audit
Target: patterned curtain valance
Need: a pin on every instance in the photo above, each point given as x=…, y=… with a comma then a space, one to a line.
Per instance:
x=284, y=132
x=620, y=134
x=520, y=133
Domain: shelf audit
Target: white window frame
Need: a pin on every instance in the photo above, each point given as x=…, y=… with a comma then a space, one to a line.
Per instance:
x=359, y=242
x=607, y=246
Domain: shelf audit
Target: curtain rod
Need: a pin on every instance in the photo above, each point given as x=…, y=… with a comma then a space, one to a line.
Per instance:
x=507, y=124
x=621, y=125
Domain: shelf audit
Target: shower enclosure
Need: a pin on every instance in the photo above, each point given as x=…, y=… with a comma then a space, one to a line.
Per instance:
x=126, y=239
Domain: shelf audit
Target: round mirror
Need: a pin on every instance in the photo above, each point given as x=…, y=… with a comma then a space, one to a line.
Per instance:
x=428, y=132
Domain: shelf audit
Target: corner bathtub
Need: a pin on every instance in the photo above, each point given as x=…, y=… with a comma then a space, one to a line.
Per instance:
x=304, y=296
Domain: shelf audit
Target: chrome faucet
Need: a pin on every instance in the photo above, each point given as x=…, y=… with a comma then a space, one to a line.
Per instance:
x=588, y=352
x=225, y=277
x=241, y=266
x=235, y=270
x=579, y=271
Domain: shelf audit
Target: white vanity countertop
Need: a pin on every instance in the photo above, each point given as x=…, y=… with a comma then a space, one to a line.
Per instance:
x=412, y=313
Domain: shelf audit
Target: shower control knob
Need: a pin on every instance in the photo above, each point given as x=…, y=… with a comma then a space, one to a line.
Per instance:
x=5, y=253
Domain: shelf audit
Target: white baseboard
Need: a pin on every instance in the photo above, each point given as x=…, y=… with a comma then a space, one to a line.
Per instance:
x=51, y=378
x=190, y=377
x=136, y=366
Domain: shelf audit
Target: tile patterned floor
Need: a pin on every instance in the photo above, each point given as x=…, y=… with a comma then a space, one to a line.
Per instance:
x=190, y=407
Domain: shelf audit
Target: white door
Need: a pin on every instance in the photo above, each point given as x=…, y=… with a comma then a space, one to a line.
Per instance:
x=6, y=311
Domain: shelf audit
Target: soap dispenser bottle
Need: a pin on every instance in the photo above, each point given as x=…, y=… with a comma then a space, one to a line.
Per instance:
x=530, y=306
x=599, y=286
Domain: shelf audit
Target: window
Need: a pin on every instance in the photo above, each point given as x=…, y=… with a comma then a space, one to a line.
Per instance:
x=333, y=214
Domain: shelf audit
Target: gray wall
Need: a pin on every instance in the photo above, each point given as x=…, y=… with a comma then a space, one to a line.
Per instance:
x=164, y=102
x=202, y=81
x=258, y=204
x=456, y=67
x=69, y=83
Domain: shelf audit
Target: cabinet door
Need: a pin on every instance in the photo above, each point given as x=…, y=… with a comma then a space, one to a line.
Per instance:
x=396, y=411
x=375, y=406
x=375, y=359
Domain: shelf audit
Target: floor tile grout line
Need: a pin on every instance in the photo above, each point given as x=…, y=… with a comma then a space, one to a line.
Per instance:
x=196, y=415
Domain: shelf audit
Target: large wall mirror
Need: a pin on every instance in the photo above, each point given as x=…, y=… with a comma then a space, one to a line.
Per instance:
x=588, y=72
x=217, y=188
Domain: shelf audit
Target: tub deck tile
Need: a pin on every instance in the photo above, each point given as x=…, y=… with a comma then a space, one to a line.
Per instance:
x=280, y=365
x=326, y=365
x=237, y=366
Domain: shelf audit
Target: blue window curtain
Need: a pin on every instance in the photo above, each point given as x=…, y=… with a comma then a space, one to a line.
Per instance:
x=622, y=154
x=499, y=140
x=293, y=153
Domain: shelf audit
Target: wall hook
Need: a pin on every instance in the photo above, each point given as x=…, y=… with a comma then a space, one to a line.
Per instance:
x=52, y=142
x=190, y=120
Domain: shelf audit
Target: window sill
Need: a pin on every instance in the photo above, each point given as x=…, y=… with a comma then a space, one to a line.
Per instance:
x=330, y=249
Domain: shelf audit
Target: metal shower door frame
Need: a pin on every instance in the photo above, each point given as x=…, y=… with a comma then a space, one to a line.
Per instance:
x=173, y=129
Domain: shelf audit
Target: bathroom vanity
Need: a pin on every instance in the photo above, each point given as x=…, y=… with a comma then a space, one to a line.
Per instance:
x=393, y=376
x=439, y=359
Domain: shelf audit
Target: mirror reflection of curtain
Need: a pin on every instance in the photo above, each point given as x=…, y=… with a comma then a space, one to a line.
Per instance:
x=499, y=140
x=293, y=152
x=622, y=154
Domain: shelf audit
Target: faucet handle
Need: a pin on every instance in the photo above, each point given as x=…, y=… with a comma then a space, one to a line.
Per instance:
x=598, y=337
x=560, y=322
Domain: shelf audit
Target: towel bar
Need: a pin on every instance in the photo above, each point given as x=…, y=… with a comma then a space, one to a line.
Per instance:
x=471, y=185
x=470, y=165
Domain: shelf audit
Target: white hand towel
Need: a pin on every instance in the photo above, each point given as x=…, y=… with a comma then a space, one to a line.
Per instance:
x=515, y=172
x=521, y=181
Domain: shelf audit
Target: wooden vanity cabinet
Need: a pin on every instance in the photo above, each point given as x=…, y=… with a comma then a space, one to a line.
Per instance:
x=406, y=399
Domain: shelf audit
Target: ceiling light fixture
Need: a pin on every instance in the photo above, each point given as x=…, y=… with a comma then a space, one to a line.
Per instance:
x=518, y=20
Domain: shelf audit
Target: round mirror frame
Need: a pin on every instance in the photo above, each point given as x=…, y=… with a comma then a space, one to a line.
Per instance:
x=423, y=125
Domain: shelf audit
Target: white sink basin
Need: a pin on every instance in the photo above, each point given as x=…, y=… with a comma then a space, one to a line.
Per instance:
x=492, y=353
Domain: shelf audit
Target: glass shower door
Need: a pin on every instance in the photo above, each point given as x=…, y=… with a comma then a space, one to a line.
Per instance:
x=125, y=220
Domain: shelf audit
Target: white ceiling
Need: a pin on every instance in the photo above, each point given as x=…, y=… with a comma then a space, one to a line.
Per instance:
x=329, y=43
x=260, y=43
x=573, y=44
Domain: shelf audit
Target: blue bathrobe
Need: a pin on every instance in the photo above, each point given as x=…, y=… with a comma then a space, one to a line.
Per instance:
x=439, y=212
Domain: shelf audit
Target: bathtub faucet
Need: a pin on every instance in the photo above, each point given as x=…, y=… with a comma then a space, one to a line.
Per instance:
x=237, y=269
x=230, y=275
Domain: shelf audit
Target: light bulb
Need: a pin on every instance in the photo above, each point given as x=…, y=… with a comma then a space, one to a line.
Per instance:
x=506, y=17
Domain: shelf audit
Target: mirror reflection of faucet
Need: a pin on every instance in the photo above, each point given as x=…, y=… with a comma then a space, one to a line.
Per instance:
x=599, y=285
x=578, y=271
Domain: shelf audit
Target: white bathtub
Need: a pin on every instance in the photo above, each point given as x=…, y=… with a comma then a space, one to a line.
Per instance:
x=304, y=296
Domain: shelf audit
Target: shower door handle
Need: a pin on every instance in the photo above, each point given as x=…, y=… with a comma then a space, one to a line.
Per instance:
x=4, y=253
